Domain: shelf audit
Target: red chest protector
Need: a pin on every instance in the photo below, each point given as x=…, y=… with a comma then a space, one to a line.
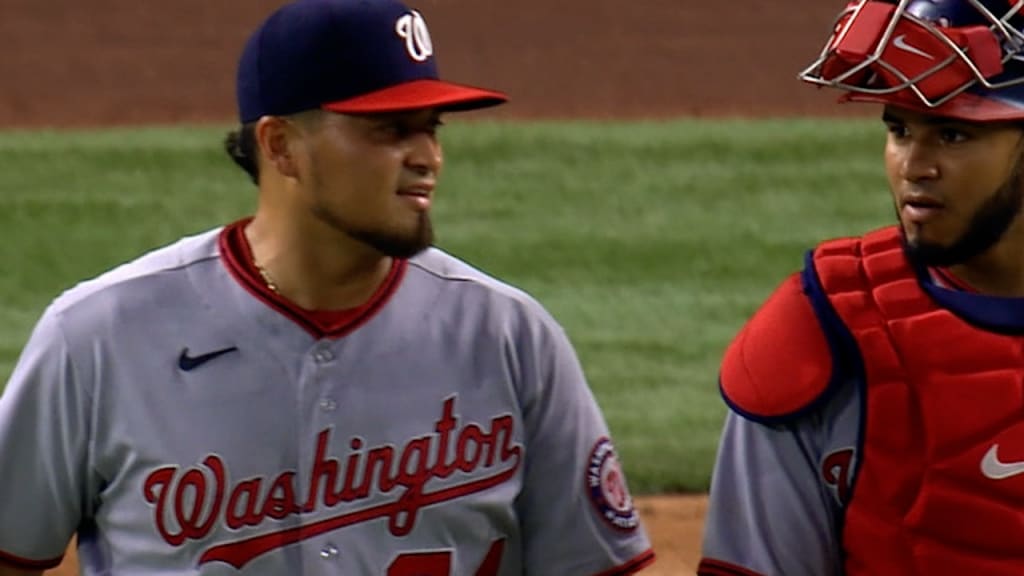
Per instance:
x=932, y=495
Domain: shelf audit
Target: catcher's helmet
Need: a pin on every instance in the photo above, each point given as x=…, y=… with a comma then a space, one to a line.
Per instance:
x=956, y=58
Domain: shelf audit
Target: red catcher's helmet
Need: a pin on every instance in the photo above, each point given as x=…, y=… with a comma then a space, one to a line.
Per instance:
x=955, y=58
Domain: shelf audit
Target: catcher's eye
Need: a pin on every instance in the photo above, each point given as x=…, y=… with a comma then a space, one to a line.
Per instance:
x=897, y=129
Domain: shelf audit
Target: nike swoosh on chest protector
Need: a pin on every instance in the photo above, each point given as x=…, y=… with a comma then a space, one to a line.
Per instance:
x=993, y=468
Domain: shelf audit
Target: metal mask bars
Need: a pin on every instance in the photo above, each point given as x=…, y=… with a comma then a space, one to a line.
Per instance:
x=879, y=48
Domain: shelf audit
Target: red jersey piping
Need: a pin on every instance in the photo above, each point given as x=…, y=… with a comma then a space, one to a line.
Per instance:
x=710, y=567
x=26, y=564
x=637, y=563
x=237, y=257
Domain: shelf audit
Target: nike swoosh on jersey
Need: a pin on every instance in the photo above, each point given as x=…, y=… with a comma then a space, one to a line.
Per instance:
x=189, y=363
x=901, y=43
x=992, y=468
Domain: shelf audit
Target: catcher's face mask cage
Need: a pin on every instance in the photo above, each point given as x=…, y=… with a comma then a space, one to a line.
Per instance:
x=961, y=58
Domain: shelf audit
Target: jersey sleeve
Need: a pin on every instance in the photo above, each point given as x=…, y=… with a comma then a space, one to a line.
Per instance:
x=43, y=444
x=769, y=513
x=576, y=512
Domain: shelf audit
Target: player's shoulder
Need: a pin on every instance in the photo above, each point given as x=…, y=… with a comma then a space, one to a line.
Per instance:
x=782, y=362
x=457, y=274
x=480, y=299
x=127, y=277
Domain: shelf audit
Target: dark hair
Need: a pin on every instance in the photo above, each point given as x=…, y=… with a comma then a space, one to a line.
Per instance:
x=240, y=144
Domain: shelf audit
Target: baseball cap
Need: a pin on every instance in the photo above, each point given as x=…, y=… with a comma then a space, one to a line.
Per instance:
x=347, y=56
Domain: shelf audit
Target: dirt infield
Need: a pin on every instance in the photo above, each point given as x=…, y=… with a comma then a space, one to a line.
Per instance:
x=674, y=524
x=118, y=62
x=72, y=63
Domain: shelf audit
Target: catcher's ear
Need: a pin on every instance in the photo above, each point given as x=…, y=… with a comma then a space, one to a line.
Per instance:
x=277, y=139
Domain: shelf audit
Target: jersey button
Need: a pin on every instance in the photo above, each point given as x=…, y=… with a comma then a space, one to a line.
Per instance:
x=328, y=405
x=329, y=552
x=323, y=356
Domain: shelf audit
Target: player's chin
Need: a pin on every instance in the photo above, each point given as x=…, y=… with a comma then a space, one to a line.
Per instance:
x=934, y=232
x=930, y=252
x=403, y=241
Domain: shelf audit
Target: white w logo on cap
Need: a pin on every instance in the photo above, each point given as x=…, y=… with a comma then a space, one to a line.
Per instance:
x=413, y=28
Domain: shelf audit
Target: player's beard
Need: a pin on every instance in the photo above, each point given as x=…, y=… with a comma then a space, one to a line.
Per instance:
x=399, y=244
x=395, y=242
x=987, y=226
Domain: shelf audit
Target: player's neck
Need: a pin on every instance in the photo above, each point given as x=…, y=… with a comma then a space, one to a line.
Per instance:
x=1000, y=270
x=314, y=271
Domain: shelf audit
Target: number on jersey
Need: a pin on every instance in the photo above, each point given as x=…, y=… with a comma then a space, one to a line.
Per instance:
x=439, y=563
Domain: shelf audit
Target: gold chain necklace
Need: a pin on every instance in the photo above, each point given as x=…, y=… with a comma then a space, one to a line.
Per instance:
x=266, y=277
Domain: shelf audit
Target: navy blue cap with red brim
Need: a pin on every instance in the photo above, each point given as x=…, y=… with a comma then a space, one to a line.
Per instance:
x=347, y=56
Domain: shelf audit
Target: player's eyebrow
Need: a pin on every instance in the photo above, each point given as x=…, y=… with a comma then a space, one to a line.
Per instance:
x=930, y=120
x=889, y=118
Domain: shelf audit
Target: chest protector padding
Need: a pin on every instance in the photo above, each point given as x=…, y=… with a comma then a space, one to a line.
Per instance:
x=940, y=395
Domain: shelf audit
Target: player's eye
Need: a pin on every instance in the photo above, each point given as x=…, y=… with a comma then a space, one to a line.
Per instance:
x=953, y=135
x=897, y=129
x=425, y=124
x=397, y=129
x=401, y=128
x=435, y=125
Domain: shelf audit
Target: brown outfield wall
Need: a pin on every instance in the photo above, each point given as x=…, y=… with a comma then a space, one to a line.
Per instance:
x=73, y=63
x=99, y=62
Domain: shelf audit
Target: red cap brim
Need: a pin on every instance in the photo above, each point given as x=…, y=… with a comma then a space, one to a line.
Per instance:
x=965, y=106
x=419, y=94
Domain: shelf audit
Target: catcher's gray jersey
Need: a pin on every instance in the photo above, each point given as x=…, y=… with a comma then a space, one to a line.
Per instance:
x=181, y=425
x=777, y=492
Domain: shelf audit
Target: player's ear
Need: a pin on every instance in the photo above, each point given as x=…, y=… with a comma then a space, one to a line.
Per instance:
x=278, y=141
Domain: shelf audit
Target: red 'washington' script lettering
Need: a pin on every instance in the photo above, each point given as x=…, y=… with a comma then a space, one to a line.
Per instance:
x=190, y=504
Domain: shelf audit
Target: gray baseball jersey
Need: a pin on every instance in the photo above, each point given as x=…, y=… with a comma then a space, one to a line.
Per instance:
x=772, y=510
x=183, y=423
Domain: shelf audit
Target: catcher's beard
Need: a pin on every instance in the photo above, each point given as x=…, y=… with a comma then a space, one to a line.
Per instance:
x=987, y=226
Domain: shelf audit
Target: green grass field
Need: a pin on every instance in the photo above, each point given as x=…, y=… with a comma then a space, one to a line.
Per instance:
x=650, y=242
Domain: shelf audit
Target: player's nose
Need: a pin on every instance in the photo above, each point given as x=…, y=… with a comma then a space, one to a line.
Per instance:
x=918, y=161
x=425, y=156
